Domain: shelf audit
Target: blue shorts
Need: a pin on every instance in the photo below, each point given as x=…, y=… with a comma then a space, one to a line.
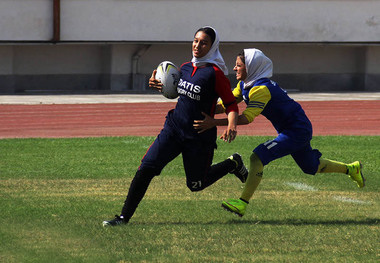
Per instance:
x=300, y=149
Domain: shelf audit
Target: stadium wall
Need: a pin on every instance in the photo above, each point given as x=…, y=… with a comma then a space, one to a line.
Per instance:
x=113, y=46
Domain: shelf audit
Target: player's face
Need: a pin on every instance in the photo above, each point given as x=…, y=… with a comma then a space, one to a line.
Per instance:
x=201, y=44
x=240, y=69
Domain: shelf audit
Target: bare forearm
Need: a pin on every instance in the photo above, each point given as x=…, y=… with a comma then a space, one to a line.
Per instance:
x=242, y=120
x=233, y=119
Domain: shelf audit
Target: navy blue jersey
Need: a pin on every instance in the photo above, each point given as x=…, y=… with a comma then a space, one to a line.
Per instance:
x=199, y=89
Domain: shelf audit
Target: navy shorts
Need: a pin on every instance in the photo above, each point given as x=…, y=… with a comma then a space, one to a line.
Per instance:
x=197, y=156
x=306, y=157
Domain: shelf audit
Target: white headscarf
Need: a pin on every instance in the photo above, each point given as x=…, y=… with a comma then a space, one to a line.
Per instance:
x=213, y=56
x=258, y=66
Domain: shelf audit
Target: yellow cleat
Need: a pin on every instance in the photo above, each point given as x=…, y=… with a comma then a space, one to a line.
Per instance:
x=355, y=173
x=235, y=206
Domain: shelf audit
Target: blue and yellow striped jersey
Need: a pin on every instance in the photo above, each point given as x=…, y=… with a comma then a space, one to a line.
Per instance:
x=266, y=97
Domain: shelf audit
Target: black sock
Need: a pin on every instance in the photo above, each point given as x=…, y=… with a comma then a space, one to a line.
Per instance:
x=218, y=171
x=224, y=167
x=136, y=193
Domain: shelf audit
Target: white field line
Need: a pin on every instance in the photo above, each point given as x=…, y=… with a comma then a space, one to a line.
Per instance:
x=302, y=186
x=350, y=200
x=306, y=187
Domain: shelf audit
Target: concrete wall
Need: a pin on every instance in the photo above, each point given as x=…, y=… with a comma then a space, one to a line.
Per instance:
x=116, y=68
x=159, y=20
x=372, y=69
x=171, y=20
x=113, y=45
x=26, y=20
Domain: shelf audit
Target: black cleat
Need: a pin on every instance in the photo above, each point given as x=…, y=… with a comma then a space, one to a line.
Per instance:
x=118, y=220
x=240, y=171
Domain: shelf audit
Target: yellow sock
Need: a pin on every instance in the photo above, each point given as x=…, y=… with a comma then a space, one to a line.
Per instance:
x=254, y=178
x=330, y=166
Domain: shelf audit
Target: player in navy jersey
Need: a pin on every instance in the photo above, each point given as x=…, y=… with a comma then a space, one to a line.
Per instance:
x=264, y=96
x=202, y=82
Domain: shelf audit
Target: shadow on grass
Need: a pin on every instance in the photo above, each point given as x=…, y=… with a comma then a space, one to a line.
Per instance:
x=293, y=222
x=300, y=222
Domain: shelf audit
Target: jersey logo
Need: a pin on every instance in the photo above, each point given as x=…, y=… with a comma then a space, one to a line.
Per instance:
x=189, y=89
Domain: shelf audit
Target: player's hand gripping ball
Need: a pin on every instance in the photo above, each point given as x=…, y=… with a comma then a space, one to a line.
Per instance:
x=168, y=74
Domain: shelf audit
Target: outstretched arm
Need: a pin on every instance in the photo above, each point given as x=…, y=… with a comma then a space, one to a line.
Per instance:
x=208, y=122
x=229, y=134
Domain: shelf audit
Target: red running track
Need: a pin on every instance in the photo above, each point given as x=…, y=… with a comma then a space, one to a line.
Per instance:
x=146, y=119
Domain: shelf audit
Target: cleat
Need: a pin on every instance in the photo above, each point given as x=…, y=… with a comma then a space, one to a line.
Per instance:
x=235, y=206
x=355, y=173
x=240, y=171
x=118, y=220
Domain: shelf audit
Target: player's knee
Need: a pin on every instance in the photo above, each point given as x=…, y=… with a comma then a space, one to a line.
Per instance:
x=255, y=160
x=195, y=186
x=309, y=170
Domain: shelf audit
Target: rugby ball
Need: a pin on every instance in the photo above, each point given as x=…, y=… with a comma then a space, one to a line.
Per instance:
x=168, y=74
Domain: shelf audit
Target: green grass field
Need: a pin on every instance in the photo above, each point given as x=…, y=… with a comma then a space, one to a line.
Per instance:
x=55, y=193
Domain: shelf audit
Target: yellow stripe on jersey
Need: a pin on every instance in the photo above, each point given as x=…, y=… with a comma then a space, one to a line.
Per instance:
x=258, y=99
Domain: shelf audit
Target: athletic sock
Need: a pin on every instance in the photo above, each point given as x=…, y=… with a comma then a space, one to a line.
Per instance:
x=331, y=166
x=136, y=193
x=218, y=171
x=255, y=175
x=251, y=185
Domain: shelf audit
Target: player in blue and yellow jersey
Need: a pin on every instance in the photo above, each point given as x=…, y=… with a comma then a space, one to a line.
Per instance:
x=202, y=82
x=264, y=96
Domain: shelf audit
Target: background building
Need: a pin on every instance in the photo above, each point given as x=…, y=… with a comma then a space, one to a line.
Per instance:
x=54, y=46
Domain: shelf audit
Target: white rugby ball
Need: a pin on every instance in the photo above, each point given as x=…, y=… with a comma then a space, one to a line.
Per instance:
x=168, y=74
